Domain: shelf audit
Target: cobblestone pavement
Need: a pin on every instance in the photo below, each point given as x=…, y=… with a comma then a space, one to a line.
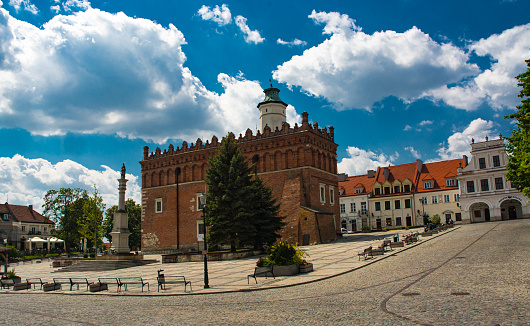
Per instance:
x=474, y=275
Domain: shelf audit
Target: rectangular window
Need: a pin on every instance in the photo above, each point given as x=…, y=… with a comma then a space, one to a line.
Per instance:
x=23, y=228
x=358, y=190
x=44, y=229
x=331, y=195
x=364, y=211
x=457, y=197
x=407, y=203
x=406, y=188
x=477, y=213
x=158, y=205
x=450, y=182
x=389, y=221
x=447, y=199
x=423, y=200
x=434, y=199
x=499, y=184
x=352, y=207
x=397, y=204
x=496, y=161
x=482, y=163
x=377, y=206
x=387, y=205
x=200, y=231
x=397, y=189
x=6, y=217
x=470, y=186
x=343, y=208
x=377, y=191
x=322, y=194
x=484, y=186
x=427, y=185
x=398, y=221
x=387, y=190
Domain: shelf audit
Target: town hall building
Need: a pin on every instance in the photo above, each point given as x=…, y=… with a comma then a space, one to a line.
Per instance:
x=299, y=164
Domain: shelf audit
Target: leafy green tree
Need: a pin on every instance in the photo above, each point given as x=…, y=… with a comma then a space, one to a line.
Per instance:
x=518, y=146
x=134, y=213
x=65, y=207
x=435, y=219
x=90, y=225
x=229, y=210
x=265, y=214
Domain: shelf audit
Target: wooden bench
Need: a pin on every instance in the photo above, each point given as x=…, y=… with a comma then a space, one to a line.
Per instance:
x=261, y=271
x=163, y=280
x=397, y=244
x=21, y=286
x=365, y=253
x=124, y=281
x=5, y=283
x=35, y=281
x=109, y=281
x=78, y=281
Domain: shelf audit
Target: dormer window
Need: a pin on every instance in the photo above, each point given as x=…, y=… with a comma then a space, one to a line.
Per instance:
x=5, y=217
x=377, y=191
x=427, y=184
x=358, y=190
x=450, y=182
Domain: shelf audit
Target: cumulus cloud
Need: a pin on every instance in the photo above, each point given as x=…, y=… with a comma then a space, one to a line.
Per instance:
x=25, y=4
x=221, y=16
x=295, y=42
x=250, y=35
x=94, y=72
x=352, y=69
x=425, y=123
x=407, y=127
x=413, y=152
x=458, y=143
x=495, y=86
x=360, y=161
x=25, y=181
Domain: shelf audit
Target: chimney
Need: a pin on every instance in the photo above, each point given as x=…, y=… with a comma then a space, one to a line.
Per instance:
x=342, y=177
x=386, y=172
x=371, y=173
x=464, y=158
x=30, y=207
x=419, y=165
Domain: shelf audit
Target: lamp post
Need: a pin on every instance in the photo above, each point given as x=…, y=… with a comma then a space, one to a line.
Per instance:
x=202, y=206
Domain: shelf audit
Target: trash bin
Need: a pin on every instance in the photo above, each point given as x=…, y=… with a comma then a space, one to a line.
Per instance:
x=396, y=238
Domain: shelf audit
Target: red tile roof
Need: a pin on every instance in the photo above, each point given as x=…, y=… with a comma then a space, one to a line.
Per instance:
x=439, y=171
x=24, y=213
x=397, y=172
x=348, y=186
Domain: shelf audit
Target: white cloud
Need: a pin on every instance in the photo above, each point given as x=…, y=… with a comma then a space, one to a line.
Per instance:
x=352, y=69
x=497, y=85
x=334, y=22
x=360, y=161
x=221, y=16
x=407, y=127
x=425, y=123
x=26, y=4
x=250, y=36
x=25, y=181
x=458, y=144
x=295, y=42
x=94, y=72
x=72, y=5
x=413, y=152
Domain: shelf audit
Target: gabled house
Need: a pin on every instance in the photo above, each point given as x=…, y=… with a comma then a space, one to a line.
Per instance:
x=21, y=223
x=353, y=200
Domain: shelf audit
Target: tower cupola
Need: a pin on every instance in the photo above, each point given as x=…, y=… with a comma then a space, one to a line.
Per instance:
x=272, y=110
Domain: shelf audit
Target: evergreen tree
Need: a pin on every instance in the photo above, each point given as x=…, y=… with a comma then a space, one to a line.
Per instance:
x=266, y=214
x=229, y=211
x=518, y=146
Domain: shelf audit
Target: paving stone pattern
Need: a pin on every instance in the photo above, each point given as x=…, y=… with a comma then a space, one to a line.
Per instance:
x=472, y=275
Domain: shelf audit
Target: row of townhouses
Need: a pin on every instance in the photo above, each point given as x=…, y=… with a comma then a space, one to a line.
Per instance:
x=457, y=190
x=25, y=228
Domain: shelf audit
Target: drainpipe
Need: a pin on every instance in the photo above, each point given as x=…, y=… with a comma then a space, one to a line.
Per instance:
x=177, y=173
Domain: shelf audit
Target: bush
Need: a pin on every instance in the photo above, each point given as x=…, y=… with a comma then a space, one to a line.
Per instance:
x=11, y=274
x=13, y=253
x=31, y=257
x=92, y=255
x=51, y=255
x=435, y=219
x=85, y=255
x=283, y=254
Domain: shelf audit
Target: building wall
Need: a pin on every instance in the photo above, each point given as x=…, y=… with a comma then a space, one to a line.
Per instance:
x=441, y=207
x=294, y=162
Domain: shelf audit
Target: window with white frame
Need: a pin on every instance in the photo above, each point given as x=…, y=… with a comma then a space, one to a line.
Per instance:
x=434, y=199
x=158, y=205
x=322, y=193
x=44, y=229
x=457, y=197
x=450, y=182
x=23, y=228
x=331, y=195
x=352, y=207
x=423, y=200
x=406, y=188
x=5, y=217
x=358, y=190
x=447, y=199
x=377, y=206
x=427, y=184
x=482, y=163
x=496, y=161
x=364, y=211
x=200, y=231
x=343, y=208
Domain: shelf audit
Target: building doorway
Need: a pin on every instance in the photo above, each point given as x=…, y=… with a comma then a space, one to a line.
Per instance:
x=479, y=212
x=511, y=209
x=378, y=221
x=409, y=220
x=487, y=215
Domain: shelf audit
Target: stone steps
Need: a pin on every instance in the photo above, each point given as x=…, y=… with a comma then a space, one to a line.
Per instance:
x=104, y=265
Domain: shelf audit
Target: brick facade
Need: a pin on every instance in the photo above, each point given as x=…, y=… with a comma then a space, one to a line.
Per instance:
x=294, y=161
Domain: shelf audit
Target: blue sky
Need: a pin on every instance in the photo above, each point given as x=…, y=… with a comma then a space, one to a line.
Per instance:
x=84, y=86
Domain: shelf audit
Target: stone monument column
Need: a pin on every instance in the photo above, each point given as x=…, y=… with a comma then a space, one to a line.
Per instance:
x=120, y=229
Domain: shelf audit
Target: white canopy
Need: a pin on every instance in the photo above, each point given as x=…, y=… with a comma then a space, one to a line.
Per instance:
x=54, y=239
x=36, y=239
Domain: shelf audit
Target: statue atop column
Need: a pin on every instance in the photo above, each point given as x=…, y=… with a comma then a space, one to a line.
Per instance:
x=120, y=228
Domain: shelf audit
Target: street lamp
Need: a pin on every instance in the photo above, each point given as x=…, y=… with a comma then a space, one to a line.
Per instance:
x=202, y=206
